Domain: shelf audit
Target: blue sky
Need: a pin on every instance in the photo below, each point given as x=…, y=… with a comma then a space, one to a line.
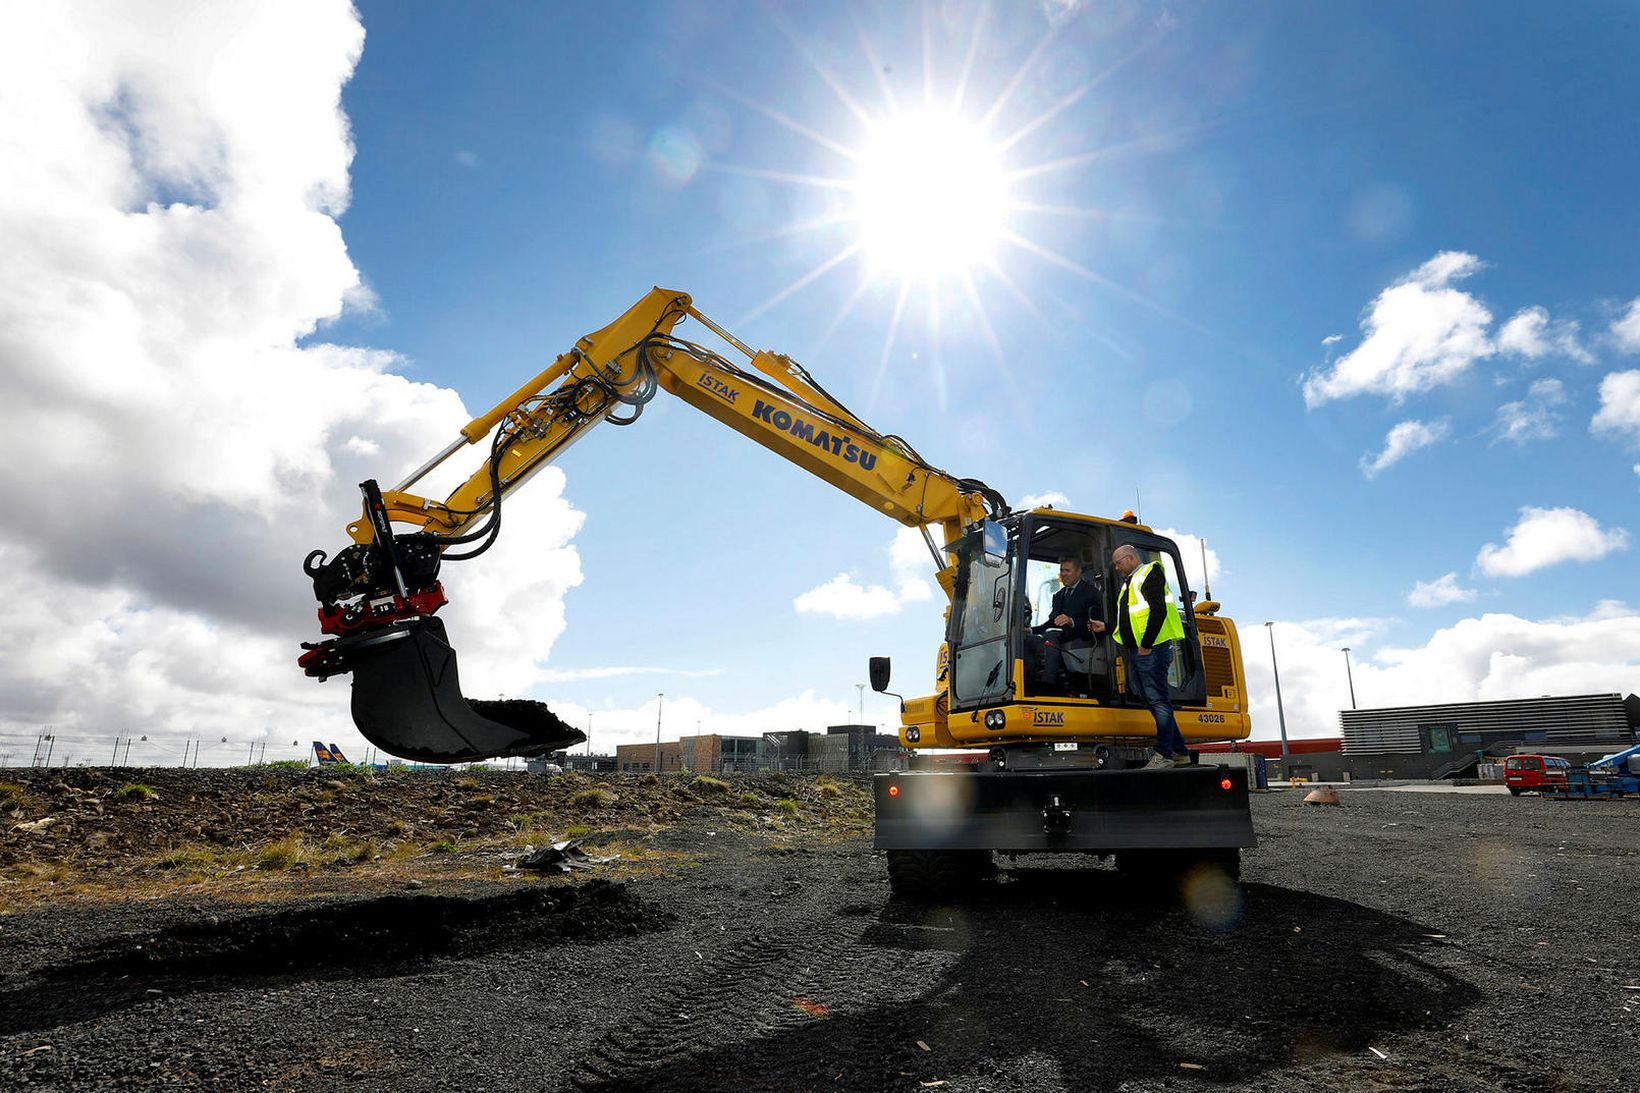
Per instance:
x=1348, y=290
x=1270, y=173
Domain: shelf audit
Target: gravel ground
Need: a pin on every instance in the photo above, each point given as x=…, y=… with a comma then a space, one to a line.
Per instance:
x=1399, y=942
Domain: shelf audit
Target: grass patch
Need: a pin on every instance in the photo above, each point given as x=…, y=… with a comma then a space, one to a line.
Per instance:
x=830, y=789
x=284, y=854
x=9, y=790
x=443, y=846
x=191, y=857
x=748, y=800
x=467, y=781
x=135, y=791
x=709, y=786
x=788, y=806
x=650, y=779
x=341, y=850
x=588, y=799
x=287, y=764
x=527, y=822
x=398, y=829
x=482, y=799
x=577, y=831
x=52, y=871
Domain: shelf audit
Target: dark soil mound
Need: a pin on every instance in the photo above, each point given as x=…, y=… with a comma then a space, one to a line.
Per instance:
x=377, y=932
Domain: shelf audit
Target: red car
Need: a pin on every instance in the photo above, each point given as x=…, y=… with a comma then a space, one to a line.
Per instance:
x=1526, y=772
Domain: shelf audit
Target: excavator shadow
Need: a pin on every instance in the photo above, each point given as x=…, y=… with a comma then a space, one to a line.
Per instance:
x=1081, y=980
x=356, y=939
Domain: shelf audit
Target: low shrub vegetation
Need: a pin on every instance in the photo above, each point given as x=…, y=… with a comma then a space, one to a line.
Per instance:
x=135, y=791
x=706, y=785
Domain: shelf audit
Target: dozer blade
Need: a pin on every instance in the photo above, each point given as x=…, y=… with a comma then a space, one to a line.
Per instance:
x=407, y=701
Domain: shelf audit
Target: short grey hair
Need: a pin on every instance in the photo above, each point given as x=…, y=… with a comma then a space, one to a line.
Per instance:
x=1125, y=548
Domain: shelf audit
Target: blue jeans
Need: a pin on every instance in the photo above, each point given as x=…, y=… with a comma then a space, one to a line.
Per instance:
x=1150, y=678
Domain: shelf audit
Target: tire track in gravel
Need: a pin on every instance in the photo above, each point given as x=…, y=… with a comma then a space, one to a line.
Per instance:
x=789, y=976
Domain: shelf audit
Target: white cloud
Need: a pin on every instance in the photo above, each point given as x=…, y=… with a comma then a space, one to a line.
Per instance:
x=170, y=226
x=1050, y=499
x=1404, y=439
x=1061, y=11
x=1536, y=417
x=1546, y=537
x=1190, y=549
x=842, y=598
x=1439, y=592
x=1626, y=331
x=1530, y=334
x=582, y=675
x=1420, y=333
x=1619, y=411
x=913, y=565
x=1490, y=657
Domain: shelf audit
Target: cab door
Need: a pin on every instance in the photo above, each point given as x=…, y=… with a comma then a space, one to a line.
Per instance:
x=981, y=629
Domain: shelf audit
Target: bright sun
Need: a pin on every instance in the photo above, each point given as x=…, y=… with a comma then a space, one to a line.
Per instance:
x=931, y=197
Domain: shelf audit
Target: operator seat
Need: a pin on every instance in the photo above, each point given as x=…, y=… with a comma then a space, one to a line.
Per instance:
x=1087, y=667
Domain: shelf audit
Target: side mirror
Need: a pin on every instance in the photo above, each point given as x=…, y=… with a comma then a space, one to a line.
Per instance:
x=994, y=542
x=879, y=674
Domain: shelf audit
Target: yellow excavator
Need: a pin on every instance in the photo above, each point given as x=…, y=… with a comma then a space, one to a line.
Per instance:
x=1034, y=770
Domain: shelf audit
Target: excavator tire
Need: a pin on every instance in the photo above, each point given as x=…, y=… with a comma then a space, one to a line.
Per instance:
x=921, y=876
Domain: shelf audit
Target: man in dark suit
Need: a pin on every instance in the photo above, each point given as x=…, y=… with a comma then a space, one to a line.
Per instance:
x=1075, y=614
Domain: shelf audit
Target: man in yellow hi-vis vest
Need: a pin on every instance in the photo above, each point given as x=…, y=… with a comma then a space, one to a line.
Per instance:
x=1147, y=625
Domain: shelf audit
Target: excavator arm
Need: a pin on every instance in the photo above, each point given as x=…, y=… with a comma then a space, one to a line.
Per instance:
x=378, y=596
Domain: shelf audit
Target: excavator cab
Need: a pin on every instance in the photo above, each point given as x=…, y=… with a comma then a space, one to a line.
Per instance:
x=1000, y=591
x=378, y=599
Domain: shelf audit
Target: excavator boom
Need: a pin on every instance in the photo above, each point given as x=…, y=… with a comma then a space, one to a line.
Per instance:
x=378, y=595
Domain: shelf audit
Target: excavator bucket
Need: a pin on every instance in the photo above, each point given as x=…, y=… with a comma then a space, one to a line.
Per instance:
x=407, y=701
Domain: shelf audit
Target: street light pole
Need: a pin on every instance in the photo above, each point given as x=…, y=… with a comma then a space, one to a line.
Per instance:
x=861, y=687
x=660, y=700
x=1349, y=675
x=1281, y=713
